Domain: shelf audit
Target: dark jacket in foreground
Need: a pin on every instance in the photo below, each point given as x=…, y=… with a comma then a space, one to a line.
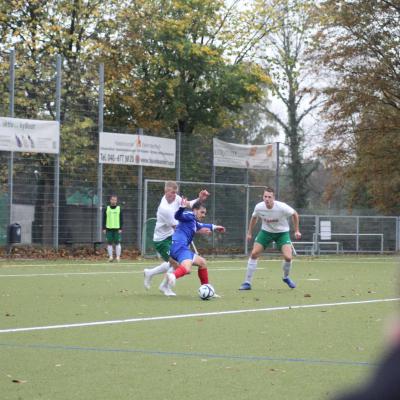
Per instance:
x=384, y=384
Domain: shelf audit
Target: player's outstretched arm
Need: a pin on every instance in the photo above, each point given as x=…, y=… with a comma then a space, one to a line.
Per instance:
x=296, y=220
x=219, y=228
x=204, y=231
x=252, y=223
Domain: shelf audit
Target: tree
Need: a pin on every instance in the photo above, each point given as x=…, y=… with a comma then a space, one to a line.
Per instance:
x=358, y=44
x=284, y=58
x=180, y=66
x=177, y=68
x=38, y=30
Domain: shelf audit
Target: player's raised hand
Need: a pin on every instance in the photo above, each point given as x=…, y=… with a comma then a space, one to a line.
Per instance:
x=220, y=229
x=185, y=202
x=203, y=195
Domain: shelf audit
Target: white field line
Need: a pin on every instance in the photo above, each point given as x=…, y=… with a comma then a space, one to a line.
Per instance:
x=360, y=260
x=99, y=273
x=195, y=315
x=377, y=261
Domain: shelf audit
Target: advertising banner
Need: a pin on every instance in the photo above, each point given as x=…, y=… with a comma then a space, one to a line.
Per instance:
x=119, y=148
x=29, y=135
x=245, y=156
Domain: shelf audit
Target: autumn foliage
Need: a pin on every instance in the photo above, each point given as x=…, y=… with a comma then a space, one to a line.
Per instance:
x=358, y=44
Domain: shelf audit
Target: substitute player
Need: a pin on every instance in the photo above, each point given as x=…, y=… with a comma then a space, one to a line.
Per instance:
x=189, y=224
x=165, y=227
x=274, y=228
x=112, y=226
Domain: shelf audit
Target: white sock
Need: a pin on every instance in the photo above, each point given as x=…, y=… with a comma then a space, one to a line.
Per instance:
x=251, y=268
x=110, y=250
x=118, y=249
x=160, y=269
x=286, y=266
x=164, y=281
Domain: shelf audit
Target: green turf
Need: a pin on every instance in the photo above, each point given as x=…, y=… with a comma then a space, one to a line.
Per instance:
x=307, y=353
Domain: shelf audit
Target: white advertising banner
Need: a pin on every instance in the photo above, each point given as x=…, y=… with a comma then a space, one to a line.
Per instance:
x=29, y=135
x=119, y=148
x=245, y=156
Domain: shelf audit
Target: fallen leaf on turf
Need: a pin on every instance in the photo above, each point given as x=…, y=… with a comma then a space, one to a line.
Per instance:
x=18, y=381
x=307, y=295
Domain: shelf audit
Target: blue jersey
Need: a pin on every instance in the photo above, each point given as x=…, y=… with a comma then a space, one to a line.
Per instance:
x=187, y=227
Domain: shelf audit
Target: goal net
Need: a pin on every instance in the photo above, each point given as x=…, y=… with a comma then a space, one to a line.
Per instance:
x=229, y=205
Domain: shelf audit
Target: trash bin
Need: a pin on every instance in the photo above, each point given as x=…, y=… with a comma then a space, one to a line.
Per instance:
x=14, y=233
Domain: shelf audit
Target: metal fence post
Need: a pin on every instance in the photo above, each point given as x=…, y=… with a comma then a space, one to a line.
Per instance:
x=100, y=165
x=178, y=155
x=316, y=236
x=56, y=211
x=357, y=234
x=143, y=244
x=277, y=172
x=246, y=244
x=140, y=201
x=213, y=200
x=11, y=114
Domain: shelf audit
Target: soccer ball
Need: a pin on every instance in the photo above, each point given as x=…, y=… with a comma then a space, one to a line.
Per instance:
x=206, y=291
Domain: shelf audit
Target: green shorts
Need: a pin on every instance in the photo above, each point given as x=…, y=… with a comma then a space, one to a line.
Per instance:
x=163, y=247
x=113, y=236
x=266, y=238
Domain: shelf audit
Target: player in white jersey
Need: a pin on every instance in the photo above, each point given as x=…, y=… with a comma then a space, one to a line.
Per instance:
x=275, y=228
x=164, y=229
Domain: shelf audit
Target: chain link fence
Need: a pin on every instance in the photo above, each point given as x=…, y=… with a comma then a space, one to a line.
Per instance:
x=231, y=205
x=56, y=200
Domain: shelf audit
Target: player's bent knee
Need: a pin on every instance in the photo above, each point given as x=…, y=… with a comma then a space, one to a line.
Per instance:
x=200, y=262
x=255, y=254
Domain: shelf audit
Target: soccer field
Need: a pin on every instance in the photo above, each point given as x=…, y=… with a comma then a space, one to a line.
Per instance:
x=89, y=330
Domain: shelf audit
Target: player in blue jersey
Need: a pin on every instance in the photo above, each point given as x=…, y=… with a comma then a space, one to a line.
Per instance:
x=189, y=224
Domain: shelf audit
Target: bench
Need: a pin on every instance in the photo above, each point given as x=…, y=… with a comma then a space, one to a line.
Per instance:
x=310, y=246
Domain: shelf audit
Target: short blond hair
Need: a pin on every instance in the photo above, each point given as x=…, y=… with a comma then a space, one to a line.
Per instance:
x=171, y=185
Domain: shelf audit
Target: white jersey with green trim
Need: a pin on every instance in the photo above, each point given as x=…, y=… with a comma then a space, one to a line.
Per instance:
x=165, y=225
x=275, y=219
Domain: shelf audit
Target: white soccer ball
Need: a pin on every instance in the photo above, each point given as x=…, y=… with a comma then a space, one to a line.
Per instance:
x=206, y=291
